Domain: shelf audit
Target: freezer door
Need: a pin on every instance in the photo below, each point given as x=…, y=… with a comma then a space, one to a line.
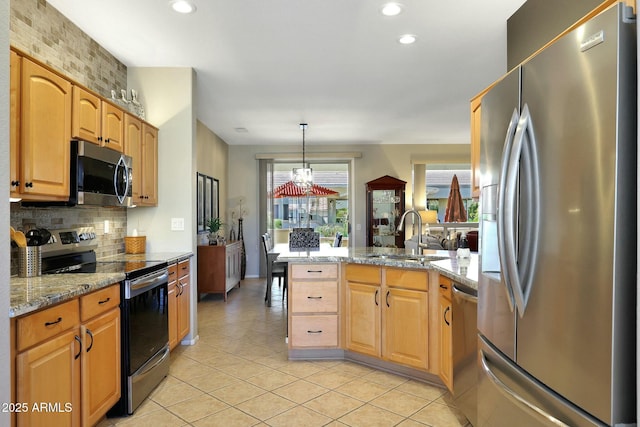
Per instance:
x=510, y=397
x=577, y=333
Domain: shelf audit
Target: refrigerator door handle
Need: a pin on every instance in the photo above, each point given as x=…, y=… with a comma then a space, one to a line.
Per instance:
x=513, y=396
x=520, y=268
x=504, y=169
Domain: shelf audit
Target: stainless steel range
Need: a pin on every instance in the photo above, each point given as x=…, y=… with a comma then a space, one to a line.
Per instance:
x=143, y=305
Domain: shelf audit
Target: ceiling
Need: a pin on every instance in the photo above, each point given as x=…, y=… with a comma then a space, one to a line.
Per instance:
x=268, y=65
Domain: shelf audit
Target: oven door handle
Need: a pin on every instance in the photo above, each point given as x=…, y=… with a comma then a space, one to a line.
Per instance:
x=146, y=283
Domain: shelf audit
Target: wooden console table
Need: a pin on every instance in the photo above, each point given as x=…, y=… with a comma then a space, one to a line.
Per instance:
x=219, y=268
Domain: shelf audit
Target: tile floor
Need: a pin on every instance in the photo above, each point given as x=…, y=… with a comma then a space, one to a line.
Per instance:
x=238, y=375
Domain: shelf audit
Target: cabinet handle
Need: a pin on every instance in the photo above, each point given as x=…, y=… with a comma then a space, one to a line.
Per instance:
x=443, y=286
x=375, y=297
x=29, y=184
x=310, y=297
x=77, y=338
x=314, y=271
x=104, y=301
x=387, y=299
x=15, y=183
x=108, y=140
x=444, y=316
x=91, y=336
x=178, y=285
x=54, y=322
x=99, y=138
x=314, y=332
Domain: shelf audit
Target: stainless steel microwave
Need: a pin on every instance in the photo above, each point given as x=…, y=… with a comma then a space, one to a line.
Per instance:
x=100, y=176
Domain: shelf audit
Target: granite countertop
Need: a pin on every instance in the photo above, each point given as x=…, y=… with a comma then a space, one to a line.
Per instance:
x=33, y=293
x=463, y=271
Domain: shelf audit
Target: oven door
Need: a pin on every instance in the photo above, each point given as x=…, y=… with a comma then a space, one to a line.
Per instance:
x=146, y=329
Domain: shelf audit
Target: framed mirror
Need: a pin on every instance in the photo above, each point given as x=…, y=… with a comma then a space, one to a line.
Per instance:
x=208, y=200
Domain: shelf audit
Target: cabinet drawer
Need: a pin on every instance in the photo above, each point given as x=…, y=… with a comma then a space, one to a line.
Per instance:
x=47, y=323
x=445, y=285
x=173, y=273
x=314, y=297
x=314, y=271
x=314, y=331
x=99, y=302
x=408, y=279
x=183, y=268
x=363, y=274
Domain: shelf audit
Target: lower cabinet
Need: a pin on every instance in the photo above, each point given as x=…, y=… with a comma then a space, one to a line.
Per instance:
x=179, y=291
x=67, y=364
x=446, y=349
x=219, y=268
x=387, y=314
x=313, y=304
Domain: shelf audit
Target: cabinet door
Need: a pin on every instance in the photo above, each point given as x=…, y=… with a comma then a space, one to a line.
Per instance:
x=149, y=165
x=446, y=361
x=172, y=297
x=14, y=124
x=133, y=148
x=476, y=109
x=45, y=133
x=363, y=318
x=406, y=327
x=87, y=116
x=112, y=127
x=184, y=300
x=49, y=375
x=100, y=366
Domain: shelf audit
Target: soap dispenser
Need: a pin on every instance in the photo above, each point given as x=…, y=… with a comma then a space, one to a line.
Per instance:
x=463, y=247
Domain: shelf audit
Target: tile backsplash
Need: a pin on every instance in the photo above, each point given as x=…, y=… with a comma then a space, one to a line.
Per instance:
x=55, y=218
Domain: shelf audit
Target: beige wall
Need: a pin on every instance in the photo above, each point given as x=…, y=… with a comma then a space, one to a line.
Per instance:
x=376, y=161
x=213, y=160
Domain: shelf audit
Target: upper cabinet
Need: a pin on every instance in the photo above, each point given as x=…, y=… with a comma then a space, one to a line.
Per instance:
x=141, y=143
x=43, y=128
x=96, y=120
x=476, y=108
x=385, y=206
x=14, y=124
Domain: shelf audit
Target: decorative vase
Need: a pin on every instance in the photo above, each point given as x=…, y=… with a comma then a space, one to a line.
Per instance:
x=213, y=239
x=243, y=260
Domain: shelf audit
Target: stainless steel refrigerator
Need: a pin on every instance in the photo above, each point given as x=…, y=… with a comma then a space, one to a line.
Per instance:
x=557, y=283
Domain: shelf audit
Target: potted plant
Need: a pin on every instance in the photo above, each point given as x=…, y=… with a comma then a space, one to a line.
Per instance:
x=214, y=225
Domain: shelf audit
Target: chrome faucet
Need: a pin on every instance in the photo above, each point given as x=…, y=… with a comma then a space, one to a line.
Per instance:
x=417, y=214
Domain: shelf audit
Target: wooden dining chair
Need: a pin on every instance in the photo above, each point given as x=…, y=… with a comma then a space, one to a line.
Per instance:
x=278, y=269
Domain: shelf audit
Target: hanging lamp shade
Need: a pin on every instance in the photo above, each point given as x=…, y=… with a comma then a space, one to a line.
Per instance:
x=303, y=177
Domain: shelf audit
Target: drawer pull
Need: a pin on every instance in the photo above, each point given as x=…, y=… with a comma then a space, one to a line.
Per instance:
x=309, y=297
x=444, y=286
x=314, y=332
x=104, y=301
x=314, y=271
x=54, y=322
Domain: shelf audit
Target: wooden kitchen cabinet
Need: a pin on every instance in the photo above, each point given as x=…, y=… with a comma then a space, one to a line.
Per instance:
x=219, y=268
x=446, y=350
x=68, y=355
x=476, y=110
x=313, y=302
x=179, y=302
x=14, y=124
x=133, y=148
x=96, y=120
x=385, y=206
x=44, y=130
x=149, y=165
x=395, y=298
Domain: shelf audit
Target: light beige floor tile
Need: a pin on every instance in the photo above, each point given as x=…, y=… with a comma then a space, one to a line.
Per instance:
x=185, y=369
x=385, y=378
x=227, y=418
x=174, y=394
x=162, y=418
x=197, y=408
x=363, y=390
x=420, y=389
x=330, y=379
x=353, y=369
x=300, y=391
x=246, y=370
x=408, y=422
x=266, y=406
x=300, y=369
x=299, y=416
x=371, y=416
x=400, y=403
x=237, y=393
x=439, y=415
x=271, y=379
x=333, y=405
x=213, y=381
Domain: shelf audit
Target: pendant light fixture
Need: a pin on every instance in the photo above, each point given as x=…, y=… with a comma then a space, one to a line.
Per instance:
x=302, y=177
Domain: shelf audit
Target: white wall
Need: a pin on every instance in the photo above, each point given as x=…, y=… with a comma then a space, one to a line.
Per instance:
x=5, y=383
x=376, y=161
x=168, y=95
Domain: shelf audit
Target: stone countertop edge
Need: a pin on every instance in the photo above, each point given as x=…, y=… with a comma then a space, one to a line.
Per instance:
x=34, y=293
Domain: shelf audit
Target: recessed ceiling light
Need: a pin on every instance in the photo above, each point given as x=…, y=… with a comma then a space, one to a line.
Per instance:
x=391, y=9
x=407, y=39
x=183, y=6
